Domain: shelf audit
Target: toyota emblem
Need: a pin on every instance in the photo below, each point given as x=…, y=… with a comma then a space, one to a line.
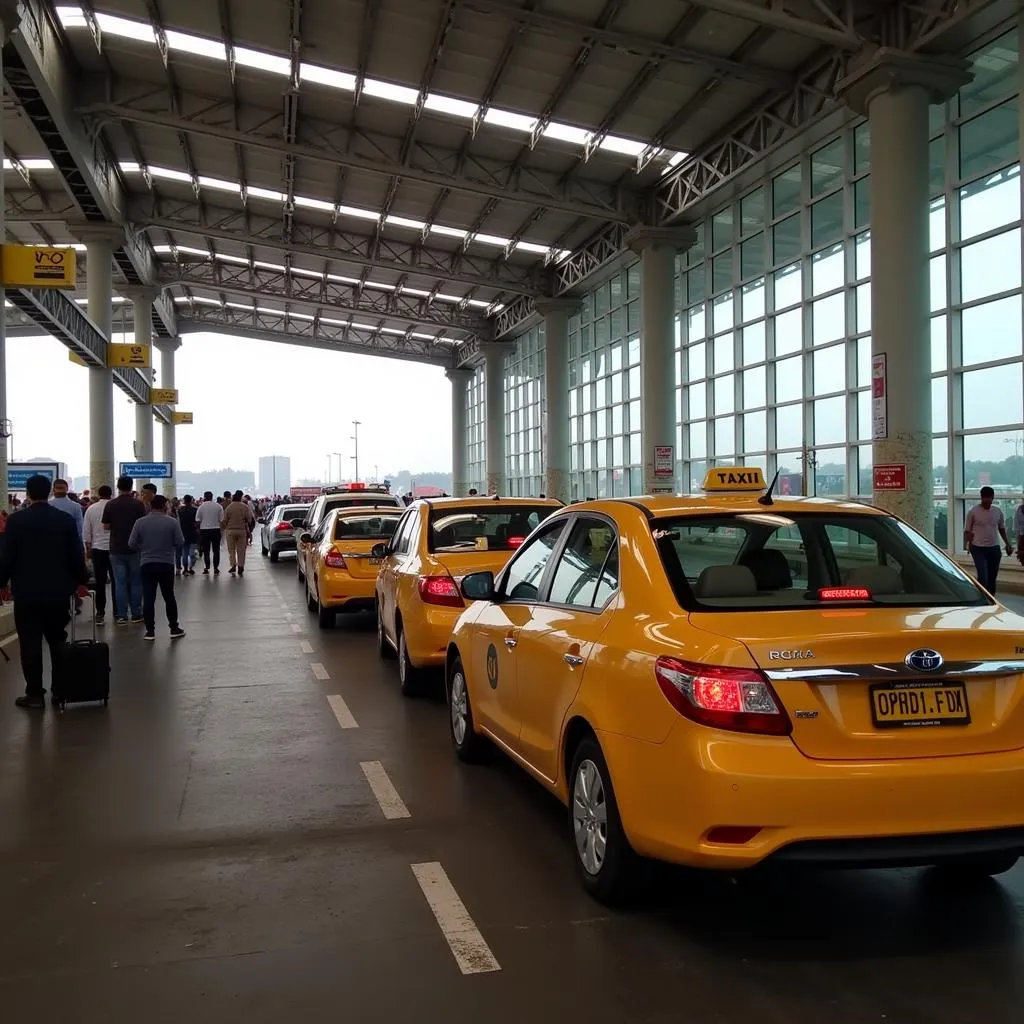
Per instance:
x=923, y=660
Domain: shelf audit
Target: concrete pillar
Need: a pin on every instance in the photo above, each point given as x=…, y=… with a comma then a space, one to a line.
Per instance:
x=100, y=240
x=894, y=90
x=657, y=248
x=142, y=299
x=494, y=396
x=167, y=347
x=460, y=464
x=556, y=313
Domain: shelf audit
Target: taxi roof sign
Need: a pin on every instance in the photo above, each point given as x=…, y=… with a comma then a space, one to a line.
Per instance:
x=730, y=479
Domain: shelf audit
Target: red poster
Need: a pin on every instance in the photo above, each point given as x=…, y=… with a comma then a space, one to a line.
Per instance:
x=890, y=478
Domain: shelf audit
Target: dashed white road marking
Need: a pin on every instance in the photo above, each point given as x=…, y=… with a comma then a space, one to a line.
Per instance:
x=391, y=804
x=296, y=628
x=471, y=952
x=306, y=647
x=341, y=712
x=8, y=640
x=319, y=671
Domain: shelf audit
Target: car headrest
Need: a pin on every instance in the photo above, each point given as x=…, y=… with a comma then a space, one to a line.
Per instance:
x=770, y=569
x=726, y=581
x=879, y=579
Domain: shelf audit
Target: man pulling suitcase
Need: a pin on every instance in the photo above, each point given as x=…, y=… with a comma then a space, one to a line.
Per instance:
x=42, y=565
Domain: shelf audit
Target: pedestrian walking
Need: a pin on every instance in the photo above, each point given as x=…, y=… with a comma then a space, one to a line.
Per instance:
x=147, y=494
x=187, y=521
x=983, y=527
x=238, y=520
x=155, y=537
x=67, y=504
x=97, y=550
x=119, y=517
x=209, y=517
x=43, y=566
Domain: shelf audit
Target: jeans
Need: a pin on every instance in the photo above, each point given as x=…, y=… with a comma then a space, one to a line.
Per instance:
x=35, y=623
x=103, y=570
x=210, y=541
x=185, y=557
x=127, y=586
x=986, y=561
x=236, y=547
x=158, y=575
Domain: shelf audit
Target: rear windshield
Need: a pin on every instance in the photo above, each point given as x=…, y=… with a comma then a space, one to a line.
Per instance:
x=366, y=527
x=768, y=561
x=483, y=528
x=370, y=501
x=293, y=514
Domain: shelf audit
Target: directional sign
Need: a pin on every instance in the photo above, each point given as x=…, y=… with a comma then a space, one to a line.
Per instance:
x=37, y=266
x=163, y=396
x=19, y=472
x=181, y=417
x=76, y=358
x=129, y=355
x=147, y=470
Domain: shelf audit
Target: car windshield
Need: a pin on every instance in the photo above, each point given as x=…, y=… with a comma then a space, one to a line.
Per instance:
x=765, y=561
x=366, y=527
x=490, y=527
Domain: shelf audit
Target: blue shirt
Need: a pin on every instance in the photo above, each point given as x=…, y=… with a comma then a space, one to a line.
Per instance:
x=72, y=508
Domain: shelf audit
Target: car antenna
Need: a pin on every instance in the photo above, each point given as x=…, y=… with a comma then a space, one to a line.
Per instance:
x=766, y=498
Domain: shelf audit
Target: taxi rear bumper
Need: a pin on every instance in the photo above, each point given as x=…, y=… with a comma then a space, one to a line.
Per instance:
x=831, y=813
x=428, y=630
x=341, y=592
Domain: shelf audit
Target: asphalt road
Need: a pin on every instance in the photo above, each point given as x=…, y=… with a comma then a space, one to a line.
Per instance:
x=260, y=828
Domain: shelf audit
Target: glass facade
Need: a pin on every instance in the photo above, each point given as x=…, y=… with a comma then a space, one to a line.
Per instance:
x=773, y=356
x=476, y=438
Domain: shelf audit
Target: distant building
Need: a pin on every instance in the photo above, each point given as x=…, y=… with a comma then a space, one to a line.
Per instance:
x=274, y=474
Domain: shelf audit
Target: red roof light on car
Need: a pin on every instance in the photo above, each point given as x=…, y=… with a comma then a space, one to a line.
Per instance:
x=844, y=594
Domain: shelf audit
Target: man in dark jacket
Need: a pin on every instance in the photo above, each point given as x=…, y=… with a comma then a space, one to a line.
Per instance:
x=43, y=561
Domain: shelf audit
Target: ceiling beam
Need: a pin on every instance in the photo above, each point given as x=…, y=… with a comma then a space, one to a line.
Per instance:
x=831, y=28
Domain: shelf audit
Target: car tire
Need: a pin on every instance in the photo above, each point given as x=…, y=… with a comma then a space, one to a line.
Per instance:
x=990, y=864
x=325, y=617
x=263, y=550
x=298, y=569
x=605, y=862
x=275, y=556
x=468, y=744
x=311, y=602
x=410, y=678
x=384, y=649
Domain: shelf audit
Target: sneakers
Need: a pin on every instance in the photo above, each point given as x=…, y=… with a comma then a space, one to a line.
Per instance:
x=121, y=621
x=177, y=633
x=100, y=619
x=231, y=571
x=206, y=572
x=35, y=701
x=241, y=572
x=149, y=635
x=216, y=572
x=136, y=619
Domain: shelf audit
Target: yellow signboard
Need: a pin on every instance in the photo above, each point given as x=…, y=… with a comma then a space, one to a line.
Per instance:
x=163, y=396
x=76, y=358
x=181, y=417
x=734, y=478
x=37, y=266
x=128, y=355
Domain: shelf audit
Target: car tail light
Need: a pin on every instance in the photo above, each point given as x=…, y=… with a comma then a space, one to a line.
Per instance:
x=440, y=590
x=844, y=594
x=515, y=542
x=281, y=527
x=334, y=560
x=737, y=699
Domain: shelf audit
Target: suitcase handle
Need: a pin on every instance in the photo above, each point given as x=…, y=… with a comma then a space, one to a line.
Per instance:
x=74, y=615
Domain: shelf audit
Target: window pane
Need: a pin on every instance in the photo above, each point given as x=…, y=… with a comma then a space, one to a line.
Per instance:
x=937, y=283
x=940, y=410
x=752, y=301
x=862, y=256
x=864, y=416
x=863, y=298
x=788, y=286
x=580, y=563
x=863, y=362
x=828, y=270
x=754, y=392
x=698, y=440
x=725, y=394
x=995, y=73
x=828, y=319
x=725, y=353
x=980, y=451
x=989, y=203
x=752, y=212
x=862, y=148
x=696, y=286
x=993, y=396
x=937, y=225
x=990, y=266
x=753, y=343
x=863, y=455
x=826, y=167
x=697, y=362
x=789, y=380
x=755, y=431
x=938, y=329
x=721, y=271
x=722, y=315
x=990, y=139
x=936, y=164
x=786, y=191
x=789, y=335
x=830, y=420
x=992, y=331
x=786, y=240
x=789, y=427
x=752, y=257
x=862, y=203
x=524, y=573
x=695, y=326
x=697, y=397
x=725, y=436
x=721, y=229
x=830, y=474
x=827, y=219
x=830, y=369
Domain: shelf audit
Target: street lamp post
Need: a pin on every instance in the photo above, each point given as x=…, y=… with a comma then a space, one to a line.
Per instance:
x=355, y=438
x=339, y=456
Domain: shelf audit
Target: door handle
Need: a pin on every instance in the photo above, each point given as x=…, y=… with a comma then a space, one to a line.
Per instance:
x=573, y=660
x=510, y=642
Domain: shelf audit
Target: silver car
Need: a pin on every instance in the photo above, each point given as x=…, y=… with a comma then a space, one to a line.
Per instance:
x=280, y=529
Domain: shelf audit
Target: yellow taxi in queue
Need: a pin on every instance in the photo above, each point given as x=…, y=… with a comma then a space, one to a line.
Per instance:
x=732, y=678
x=339, y=567
x=438, y=542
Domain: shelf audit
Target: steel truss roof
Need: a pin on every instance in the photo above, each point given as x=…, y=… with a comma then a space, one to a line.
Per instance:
x=432, y=184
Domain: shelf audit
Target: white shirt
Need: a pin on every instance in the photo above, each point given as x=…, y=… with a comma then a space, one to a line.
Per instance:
x=983, y=525
x=209, y=516
x=93, y=532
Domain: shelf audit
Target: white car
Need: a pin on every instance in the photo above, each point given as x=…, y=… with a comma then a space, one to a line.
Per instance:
x=280, y=528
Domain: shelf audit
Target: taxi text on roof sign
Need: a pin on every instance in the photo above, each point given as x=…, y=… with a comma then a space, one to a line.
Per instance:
x=37, y=266
x=735, y=478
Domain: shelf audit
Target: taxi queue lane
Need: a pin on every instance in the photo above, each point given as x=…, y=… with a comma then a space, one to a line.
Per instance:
x=262, y=825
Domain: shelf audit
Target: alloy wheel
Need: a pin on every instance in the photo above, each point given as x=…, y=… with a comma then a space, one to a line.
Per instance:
x=590, y=817
x=459, y=708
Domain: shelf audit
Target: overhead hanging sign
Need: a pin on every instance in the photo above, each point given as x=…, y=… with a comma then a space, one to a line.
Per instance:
x=163, y=396
x=19, y=472
x=879, y=398
x=129, y=355
x=37, y=266
x=147, y=470
x=181, y=418
x=76, y=358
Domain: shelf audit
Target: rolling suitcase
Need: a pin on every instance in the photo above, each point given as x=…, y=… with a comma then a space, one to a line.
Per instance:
x=82, y=673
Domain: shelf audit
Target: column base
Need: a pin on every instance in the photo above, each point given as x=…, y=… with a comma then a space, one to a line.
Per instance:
x=556, y=484
x=914, y=505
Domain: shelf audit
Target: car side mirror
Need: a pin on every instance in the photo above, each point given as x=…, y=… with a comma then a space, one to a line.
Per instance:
x=261, y=520
x=478, y=586
x=305, y=537
x=379, y=551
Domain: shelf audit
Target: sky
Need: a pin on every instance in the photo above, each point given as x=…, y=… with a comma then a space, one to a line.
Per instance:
x=250, y=398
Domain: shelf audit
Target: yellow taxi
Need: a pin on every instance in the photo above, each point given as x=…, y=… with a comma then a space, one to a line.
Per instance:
x=438, y=542
x=339, y=567
x=730, y=679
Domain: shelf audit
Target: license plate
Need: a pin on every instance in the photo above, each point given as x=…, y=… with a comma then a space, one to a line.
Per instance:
x=376, y=561
x=913, y=704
